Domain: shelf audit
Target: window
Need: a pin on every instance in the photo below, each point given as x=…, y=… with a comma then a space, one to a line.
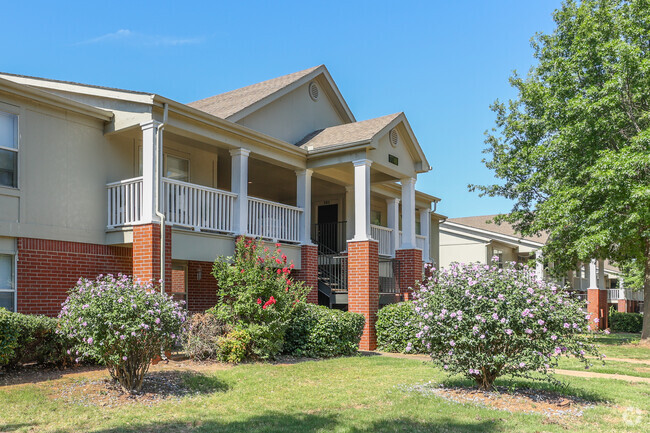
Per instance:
x=7, y=282
x=8, y=150
x=499, y=254
x=177, y=168
x=375, y=217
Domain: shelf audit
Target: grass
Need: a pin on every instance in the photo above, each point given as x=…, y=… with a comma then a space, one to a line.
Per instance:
x=356, y=394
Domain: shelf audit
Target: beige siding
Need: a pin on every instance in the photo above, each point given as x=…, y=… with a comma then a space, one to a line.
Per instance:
x=293, y=116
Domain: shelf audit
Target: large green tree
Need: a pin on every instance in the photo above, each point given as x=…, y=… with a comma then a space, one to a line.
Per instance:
x=573, y=149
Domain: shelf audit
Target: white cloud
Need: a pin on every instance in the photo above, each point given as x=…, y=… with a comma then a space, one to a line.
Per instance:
x=129, y=37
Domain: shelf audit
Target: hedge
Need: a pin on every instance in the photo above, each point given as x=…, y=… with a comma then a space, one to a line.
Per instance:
x=396, y=328
x=37, y=341
x=8, y=336
x=320, y=332
x=625, y=322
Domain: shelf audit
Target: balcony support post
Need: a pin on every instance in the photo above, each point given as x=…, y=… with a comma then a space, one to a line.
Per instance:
x=239, y=185
x=151, y=157
x=425, y=230
x=362, y=200
x=392, y=221
x=303, y=200
x=408, y=214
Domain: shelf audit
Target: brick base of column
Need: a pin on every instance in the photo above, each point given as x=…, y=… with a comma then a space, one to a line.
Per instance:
x=146, y=253
x=622, y=306
x=410, y=270
x=363, y=287
x=308, y=271
x=597, y=308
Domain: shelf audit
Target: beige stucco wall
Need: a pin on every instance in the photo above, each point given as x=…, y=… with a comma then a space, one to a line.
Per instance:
x=379, y=156
x=293, y=116
x=458, y=249
x=62, y=173
x=434, y=242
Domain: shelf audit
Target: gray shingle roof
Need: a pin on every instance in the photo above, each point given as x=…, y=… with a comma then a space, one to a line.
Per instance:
x=505, y=228
x=347, y=133
x=227, y=104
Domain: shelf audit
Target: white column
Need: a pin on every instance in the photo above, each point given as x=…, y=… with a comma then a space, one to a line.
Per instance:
x=239, y=185
x=601, y=274
x=349, y=212
x=392, y=220
x=593, y=277
x=408, y=213
x=150, y=159
x=362, y=199
x=539, y=265
x=425, y=224
x=303, y=200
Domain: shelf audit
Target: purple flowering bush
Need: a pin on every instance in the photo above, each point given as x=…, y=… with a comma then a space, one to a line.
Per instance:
x=121, y=323
x=483, y=322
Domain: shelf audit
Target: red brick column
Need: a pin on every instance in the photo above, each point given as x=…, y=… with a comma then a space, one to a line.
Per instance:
x=308, y=271
x=363, y=287
x=410, y=270
x=597, y=308
x=146, y=253
x=622, y=306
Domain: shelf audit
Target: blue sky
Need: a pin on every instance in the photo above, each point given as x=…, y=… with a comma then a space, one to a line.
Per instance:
x=441, y=62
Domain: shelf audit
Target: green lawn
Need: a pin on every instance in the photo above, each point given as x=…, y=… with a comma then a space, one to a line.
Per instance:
x=357, y=394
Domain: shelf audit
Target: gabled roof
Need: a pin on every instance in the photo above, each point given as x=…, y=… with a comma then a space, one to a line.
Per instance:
x=505, y=228
x=348, y=133
x=238, y=103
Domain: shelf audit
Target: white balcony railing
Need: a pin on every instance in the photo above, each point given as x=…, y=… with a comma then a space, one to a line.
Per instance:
x=124, y=202
x=198, y=207
x=275, y=221
x=384, y=236
x=421, y=242
x=614, y=295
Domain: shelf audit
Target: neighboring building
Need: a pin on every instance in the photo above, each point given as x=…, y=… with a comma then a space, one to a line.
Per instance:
x=87, y=174
x=477, y=239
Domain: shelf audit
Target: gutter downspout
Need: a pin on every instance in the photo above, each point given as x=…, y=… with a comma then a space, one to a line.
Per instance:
x=161, y=215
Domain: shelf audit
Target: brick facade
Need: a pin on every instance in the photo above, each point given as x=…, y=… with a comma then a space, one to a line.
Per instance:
x=146, y=253
x=597, y=308
x=201, y=293
x=363, y=287
x=308, y=271
x=410, y=269
x=47, y=269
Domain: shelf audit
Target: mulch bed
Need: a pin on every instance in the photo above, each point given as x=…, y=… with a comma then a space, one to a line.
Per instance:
x=519, y=400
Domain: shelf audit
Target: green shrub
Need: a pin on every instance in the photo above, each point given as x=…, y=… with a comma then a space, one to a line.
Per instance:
x=8, y=336
x=256, y=294
x=396, y=327
x=320, y=332
x=625, y=322
x=37, y=340
x=235, y=347
x=121, y=323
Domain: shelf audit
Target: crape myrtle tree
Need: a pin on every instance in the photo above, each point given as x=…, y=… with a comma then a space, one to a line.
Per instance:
x=573, y=149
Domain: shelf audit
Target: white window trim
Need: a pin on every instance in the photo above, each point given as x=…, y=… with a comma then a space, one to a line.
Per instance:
x=16, y=150
x=14, y=281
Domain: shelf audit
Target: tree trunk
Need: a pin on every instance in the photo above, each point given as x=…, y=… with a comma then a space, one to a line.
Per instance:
x=645, y=332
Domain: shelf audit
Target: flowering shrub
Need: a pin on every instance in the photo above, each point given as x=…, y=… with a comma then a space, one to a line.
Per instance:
x=396, y=328
x=122, y=324
x=483, y=322
x=257, y=294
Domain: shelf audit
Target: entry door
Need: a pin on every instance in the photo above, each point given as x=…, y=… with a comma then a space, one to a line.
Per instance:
x=328, y=226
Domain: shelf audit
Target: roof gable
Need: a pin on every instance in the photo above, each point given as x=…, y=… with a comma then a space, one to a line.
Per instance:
x=239, y=103
x=346, y=134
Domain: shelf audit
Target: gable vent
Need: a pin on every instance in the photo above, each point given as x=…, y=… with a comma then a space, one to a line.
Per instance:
x=393, y=136
x=313, y=91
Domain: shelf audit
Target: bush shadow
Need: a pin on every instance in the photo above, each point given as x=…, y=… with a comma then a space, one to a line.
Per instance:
x=35, y=373
x=307, y=423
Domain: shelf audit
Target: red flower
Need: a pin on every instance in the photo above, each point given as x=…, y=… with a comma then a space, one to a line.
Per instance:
x=242, y=271
x=277, y=245
x=268, y=303
x=278, y=261
x=284, y=258
x=279, y=271
x=291, y=266
x=259, y=301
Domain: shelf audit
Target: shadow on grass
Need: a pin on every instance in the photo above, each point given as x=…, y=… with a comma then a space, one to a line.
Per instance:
x=306, y=423
x=617, y=339
x=36, y=373
x=13, y=427
x=511, y=384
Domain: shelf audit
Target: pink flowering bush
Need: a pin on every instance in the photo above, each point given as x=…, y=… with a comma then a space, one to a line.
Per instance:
x=122, y=324
x=257, y=295
x=482, y=322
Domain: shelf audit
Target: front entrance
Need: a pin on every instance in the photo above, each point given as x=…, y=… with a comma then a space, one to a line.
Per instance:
x=328, y=228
